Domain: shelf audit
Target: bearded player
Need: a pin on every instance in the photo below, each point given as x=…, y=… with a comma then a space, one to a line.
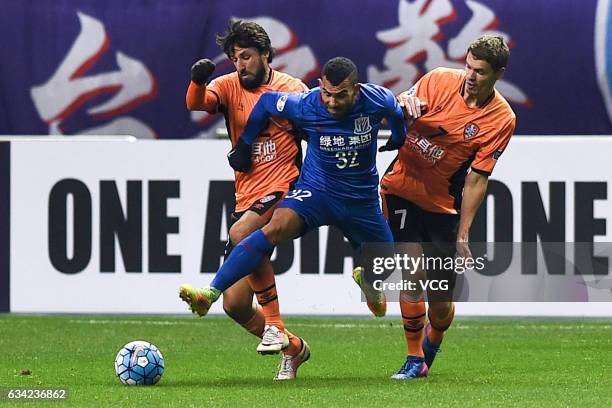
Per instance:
x=276, y=159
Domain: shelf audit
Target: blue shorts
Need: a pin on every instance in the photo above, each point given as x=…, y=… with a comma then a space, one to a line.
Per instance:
x=361, y=221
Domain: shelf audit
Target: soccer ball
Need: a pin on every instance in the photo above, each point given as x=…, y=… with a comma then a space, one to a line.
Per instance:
x=139, y=363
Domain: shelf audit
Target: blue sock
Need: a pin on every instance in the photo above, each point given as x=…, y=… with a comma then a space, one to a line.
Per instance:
x=244, y=259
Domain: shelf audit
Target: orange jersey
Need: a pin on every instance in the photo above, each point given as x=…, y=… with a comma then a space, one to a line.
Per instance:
x=275, y=165
x=446, y=141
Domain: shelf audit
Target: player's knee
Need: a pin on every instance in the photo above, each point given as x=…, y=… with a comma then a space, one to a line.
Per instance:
x=273, y=231
x=238, y=232
x=284, y=225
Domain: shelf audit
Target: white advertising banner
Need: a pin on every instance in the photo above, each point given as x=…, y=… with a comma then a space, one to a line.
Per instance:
x=116, y=227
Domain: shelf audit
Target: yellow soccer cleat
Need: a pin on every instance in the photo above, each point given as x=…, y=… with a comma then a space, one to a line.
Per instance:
x=377, y=301
x=199, y=300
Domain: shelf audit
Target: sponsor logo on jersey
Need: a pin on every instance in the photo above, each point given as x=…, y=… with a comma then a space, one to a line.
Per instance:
x=362, y=125
x=339, y=143
x=280, y=104
x=424, y=147
x=264, y=151
x=470, y=130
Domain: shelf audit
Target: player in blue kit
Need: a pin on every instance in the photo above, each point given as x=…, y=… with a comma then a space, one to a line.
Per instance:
x=338, y=184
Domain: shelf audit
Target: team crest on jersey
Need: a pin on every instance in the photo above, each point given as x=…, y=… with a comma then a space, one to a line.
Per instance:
x=280, y=104
x=470, y=130
x=362, y=125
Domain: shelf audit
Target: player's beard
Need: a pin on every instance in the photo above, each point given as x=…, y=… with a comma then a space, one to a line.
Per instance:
x=254, y=81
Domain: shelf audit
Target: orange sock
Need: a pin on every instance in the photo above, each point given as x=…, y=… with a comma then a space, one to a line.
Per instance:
x=413, y=316
x=264, y=285
x=256, y=324
x=439, y=326
x=295, y=345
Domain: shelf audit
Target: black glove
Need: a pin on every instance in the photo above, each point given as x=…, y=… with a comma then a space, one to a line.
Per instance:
x=391, y=145
x=202, y=70
x=240, y=156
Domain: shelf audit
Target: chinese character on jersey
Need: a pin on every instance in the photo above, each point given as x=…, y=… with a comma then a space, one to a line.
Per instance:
x=325, y=141
x=354, y=140
x=338, y=141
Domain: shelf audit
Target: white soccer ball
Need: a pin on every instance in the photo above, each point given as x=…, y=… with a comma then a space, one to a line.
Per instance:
x=139, y=363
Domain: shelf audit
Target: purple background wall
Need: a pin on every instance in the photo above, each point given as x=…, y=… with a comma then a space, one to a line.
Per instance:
x=131, y=69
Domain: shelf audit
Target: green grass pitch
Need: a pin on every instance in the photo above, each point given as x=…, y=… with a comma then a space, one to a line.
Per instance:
x=212, y=362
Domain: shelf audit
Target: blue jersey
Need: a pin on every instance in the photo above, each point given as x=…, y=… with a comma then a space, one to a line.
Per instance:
x=341, y=155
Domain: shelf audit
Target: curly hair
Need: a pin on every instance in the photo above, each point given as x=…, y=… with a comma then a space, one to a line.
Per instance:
x=245, y=34
x=492, y=49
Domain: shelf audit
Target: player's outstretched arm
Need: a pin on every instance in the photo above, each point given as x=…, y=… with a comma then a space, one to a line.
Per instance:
x=279, y=104
x=270, y=104
x=240, y=156
x=197, y=98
